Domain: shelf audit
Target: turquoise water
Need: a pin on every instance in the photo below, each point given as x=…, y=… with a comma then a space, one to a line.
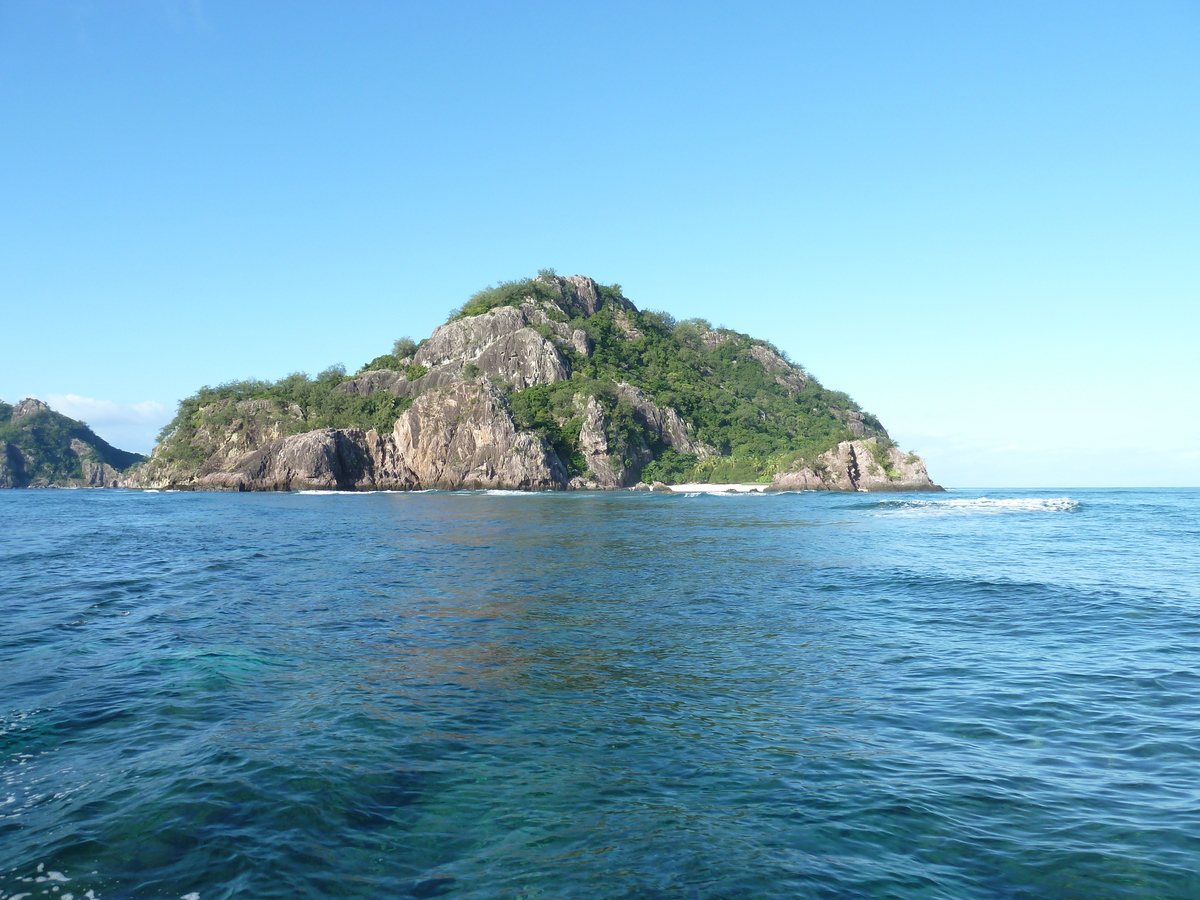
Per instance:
x=977, y=694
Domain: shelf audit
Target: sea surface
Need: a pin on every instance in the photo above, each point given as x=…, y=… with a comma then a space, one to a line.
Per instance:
x=966, y=695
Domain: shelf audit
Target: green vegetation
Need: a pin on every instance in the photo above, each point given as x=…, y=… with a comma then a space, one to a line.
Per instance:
x=506, y=293
x=402, y=349
x=44, y=454
x=550, y=410
x=757, y=425
x=292, y=405
x=879, y=450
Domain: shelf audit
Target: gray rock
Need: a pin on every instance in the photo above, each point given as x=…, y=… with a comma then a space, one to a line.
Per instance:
x=628, y=329
x=398, y=384
x=660, y=487
x=500, y=343
x=28, y=407
x=664, y=423
x=852, y=466
x=640, y=486
x=784, y=372
x=606, y=470
x=579, y=295
x=581, y=342
x=96, y=473
x=523, y=359
x=464, y=437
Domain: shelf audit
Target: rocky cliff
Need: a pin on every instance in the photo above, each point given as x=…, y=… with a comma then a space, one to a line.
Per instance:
x=863, y=465
x=544, y=384
x=42, y=448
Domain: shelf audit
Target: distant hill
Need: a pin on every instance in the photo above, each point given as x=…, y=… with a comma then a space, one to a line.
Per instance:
x=540, y=384
x=42, y=448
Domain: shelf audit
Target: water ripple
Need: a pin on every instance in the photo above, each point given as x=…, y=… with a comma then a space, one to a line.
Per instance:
x=635, y=695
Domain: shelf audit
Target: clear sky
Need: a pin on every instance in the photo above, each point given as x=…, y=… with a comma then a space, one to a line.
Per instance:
x=981, y=220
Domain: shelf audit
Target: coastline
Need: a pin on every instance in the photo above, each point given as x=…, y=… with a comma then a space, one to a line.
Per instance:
x=709, y=488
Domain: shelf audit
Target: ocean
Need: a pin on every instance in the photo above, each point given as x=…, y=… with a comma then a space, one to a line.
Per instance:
x=977, y=694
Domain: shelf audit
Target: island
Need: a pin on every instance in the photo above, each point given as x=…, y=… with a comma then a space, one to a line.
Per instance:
x=545, y=383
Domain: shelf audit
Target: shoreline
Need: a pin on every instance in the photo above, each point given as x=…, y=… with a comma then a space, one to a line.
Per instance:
x=710, y=488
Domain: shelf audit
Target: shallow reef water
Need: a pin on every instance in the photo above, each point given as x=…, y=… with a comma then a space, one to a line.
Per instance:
x=978, y=694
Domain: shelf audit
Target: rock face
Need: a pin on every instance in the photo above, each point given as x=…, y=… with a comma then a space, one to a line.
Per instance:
x=456, y=437
x=606, y=468
x=665, y=425
x=862, y=465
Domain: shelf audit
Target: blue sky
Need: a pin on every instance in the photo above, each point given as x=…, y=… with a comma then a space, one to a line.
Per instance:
x=980, y=220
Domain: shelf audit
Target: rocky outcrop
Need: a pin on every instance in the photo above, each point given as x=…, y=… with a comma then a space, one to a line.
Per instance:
x=605, y=469
x=579, y=295
x=461, y=436
x=323, y=460
x=664, y=424
x=28, y=407
x=464, y=437
x=398, y=384
x=96, y=472
x=500, y=344
x=785, y=374
x=523, y=359
x=862, y=465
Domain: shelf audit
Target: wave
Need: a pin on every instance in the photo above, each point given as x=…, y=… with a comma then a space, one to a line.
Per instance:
x=355, y=493
x=984, y=505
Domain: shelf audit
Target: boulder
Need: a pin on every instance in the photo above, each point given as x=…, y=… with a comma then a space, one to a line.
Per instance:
x=853, y=466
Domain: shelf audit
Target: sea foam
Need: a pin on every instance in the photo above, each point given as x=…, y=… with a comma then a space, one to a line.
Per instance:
x=978, y=505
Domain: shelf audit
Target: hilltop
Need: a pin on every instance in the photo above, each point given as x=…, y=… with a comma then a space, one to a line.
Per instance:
x=540, y=384
x=42, y=448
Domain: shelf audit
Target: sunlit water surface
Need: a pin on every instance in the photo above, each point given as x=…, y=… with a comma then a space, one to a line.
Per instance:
x=966, y=695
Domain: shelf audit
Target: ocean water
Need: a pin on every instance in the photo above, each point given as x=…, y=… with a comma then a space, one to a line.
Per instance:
x=969, y=695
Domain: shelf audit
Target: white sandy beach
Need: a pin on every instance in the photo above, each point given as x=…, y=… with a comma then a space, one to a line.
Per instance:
x=719, y=488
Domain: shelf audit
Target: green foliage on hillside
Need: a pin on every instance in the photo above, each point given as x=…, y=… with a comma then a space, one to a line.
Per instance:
x=757, y=425
x=402, y=349
x=732, y=402
x=550, y=410
x=44, y=441
x=296, y=403
x=506, y=293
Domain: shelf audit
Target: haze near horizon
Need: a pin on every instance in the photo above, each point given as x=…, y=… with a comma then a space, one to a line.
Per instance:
x=980, y=222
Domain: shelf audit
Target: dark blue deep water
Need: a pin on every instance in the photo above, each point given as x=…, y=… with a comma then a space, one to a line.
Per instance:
x=968, y=695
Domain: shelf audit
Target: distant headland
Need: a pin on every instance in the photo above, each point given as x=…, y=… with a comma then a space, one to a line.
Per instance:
x=548, y=383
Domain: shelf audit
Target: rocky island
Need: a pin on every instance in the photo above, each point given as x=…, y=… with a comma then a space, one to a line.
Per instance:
x=549, y=383
x=42, y=448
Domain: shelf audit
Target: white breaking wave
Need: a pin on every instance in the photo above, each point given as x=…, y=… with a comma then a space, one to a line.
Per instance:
x=985, y=505
x=353, y=493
